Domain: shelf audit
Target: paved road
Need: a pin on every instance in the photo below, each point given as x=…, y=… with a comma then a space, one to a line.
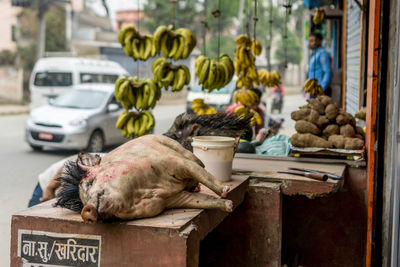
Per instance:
x=20, y=165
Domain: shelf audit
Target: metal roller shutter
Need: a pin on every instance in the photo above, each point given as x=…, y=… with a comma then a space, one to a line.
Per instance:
x=353, y=56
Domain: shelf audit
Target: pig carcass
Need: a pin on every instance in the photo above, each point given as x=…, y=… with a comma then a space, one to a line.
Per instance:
x=138, y=179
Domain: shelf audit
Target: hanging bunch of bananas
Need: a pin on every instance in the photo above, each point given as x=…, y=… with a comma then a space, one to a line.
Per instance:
x=176, y=44
x=136, y=45
x=245, y=66
x=135, y=124
x=319, y=16
x=313, y=87
x=201, y=108
x=166, y=74
x=134, y=93
x=242, y=111
x=246, y=97
x=269, y=79
x=214, y=73
x=246, y=41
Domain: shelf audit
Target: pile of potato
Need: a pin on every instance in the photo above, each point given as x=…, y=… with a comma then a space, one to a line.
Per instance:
x=321, y=123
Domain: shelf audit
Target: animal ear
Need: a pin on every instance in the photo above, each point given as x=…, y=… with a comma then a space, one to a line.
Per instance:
x=237, y=140
x=195, y=129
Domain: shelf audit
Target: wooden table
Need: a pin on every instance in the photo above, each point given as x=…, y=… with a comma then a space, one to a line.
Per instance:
x=47, y=234
x=252, y=236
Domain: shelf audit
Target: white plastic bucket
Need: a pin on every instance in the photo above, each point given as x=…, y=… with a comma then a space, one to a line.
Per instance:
x=216, y=152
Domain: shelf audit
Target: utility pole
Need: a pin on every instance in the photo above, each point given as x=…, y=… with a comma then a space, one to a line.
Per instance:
x=41, y=37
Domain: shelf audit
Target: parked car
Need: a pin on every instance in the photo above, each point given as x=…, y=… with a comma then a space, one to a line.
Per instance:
x=220, y=99
x=81, y=118
x=54, y=75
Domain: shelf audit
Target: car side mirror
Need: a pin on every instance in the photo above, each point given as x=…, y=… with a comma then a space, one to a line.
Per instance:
x=112, y=107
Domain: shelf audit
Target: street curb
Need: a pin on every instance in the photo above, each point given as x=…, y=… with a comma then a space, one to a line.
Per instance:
x=13, y=112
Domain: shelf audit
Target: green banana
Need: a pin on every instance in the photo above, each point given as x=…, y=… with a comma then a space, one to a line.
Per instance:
x=187, y=74
x=122, y=119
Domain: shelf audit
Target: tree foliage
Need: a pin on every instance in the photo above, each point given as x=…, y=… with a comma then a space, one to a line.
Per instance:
x=55, y=30
x=293, y=50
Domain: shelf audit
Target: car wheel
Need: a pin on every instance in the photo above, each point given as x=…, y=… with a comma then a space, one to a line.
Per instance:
x=36, y=148
x=96, y=142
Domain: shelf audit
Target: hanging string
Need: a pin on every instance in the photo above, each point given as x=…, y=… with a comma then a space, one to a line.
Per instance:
x=205, y=26
x=288, y=9
x=247, y=13
x=173, y=12
x=138, y=26
x=270, y=36
x=255, y=19
x=219, y=28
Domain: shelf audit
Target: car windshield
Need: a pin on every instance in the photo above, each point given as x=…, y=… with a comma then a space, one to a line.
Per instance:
x=227, y=89
x=53, y=79
x=80, y=99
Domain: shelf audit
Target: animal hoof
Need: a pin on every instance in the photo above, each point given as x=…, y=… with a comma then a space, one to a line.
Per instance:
x=225, y=191
x=229, y=205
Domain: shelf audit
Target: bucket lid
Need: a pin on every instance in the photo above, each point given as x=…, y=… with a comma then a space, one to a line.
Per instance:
x=213, y=141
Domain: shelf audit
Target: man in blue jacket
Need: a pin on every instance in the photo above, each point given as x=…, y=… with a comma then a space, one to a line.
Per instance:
x=320, y=63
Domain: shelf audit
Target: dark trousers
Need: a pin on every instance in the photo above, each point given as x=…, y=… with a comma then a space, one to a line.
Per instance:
x=37, y=194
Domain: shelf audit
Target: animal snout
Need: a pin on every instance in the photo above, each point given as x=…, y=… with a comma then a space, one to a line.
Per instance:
x=89, y=214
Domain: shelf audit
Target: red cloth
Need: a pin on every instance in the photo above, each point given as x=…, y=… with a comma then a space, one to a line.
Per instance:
x=259, y=110
x=276, y=89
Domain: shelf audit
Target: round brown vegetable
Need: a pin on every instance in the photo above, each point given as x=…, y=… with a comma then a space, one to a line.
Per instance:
x=325, y=100
x=300, y=114
x=315, y=104
x=344, y=118
x=331, y=111
x=309, y=140
x=347, y=130
x=353, y=143
x=302, y=126
x=322, y=121
x=331, y=129
x=337, y=140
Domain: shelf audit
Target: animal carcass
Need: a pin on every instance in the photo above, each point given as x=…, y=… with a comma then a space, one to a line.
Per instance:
x=138, y=179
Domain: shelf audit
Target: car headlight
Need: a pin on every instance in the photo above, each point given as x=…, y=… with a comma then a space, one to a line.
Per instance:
x=81, y=123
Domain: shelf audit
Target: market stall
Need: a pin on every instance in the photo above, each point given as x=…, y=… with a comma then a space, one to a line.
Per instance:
x=306, y=207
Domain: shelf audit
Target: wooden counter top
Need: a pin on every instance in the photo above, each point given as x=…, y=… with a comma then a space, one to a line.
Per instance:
x=265, y=169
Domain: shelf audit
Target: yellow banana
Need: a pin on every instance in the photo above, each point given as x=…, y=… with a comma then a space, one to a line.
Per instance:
x=122, y=119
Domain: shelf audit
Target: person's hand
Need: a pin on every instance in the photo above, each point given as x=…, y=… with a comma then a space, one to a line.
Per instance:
x=48, y=193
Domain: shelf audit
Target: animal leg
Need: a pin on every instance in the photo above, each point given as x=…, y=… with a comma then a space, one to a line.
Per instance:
x=174, y=145
x=86, y=160
x=189, y=169
x=189, y=200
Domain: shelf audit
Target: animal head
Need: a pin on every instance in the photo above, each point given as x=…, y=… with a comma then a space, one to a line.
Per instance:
x=72, y=177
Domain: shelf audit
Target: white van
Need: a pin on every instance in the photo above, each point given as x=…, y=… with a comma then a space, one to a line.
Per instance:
x=219, y=99
x=53, y=75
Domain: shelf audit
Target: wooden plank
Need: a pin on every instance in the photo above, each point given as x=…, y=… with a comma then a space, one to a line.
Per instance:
x=360, y=163
x=262, y=165
x=292, y=184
